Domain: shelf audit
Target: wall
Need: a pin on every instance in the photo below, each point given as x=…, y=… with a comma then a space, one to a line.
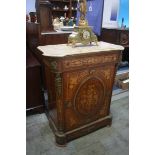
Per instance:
x=110, y=13
x=30, y=6
x=124, y=12
x=114, y=11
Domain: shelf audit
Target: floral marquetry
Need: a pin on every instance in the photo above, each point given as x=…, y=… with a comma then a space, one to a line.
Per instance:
x=89, y=97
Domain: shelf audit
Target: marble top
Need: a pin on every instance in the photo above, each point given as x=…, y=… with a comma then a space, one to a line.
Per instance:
x=62, y=50
x=57, y=32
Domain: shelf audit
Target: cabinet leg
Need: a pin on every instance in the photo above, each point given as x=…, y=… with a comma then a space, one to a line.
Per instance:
x=60, y=139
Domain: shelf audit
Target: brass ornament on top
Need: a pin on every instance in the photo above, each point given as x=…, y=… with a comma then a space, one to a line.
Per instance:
x=83, y=32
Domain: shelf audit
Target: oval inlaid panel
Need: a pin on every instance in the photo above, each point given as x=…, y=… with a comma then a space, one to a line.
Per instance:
x=89, y=97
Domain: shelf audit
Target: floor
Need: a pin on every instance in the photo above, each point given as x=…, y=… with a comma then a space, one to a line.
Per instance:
x=112, y=140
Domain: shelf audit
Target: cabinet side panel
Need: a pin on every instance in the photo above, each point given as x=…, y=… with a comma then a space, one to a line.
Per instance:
x=50, y=84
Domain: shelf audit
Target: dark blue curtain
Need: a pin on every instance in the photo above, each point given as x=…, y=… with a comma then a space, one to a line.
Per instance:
x=94, y=17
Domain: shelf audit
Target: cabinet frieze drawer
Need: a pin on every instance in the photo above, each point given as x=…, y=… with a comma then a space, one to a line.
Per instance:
x=89, y=61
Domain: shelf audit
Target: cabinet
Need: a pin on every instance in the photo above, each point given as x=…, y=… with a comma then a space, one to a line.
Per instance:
x=62, y=7
x=117, y=36
x=49, y=9
x=79, y=83
x=34, y=93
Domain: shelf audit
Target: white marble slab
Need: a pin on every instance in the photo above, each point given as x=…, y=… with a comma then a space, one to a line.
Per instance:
x=62, y=50
x=56, y=32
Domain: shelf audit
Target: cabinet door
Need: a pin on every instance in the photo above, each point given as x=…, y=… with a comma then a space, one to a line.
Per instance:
x=87, y=95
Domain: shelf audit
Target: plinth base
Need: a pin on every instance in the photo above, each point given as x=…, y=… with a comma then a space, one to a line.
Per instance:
x=62, y=138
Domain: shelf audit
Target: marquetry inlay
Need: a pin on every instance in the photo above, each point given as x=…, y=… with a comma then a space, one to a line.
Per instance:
x=87, y=61
x=89, y=96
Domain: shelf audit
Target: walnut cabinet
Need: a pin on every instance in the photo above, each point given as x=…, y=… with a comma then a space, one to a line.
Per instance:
x=79, y=92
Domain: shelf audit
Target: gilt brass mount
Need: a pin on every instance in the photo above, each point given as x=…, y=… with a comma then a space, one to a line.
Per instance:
x=83, y=32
